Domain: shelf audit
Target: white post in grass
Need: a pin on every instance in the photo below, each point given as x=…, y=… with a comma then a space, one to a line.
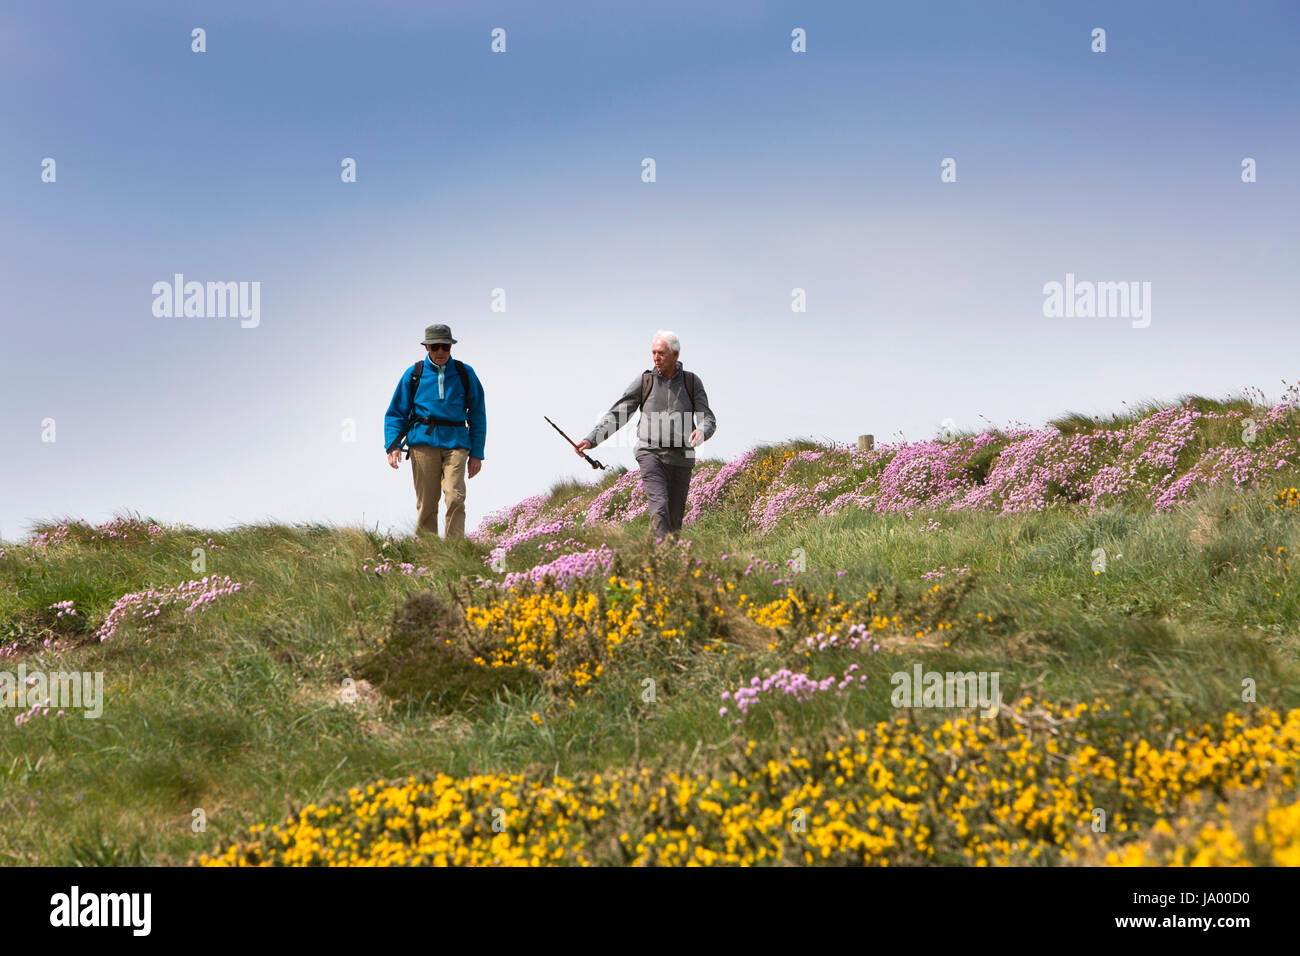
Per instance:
x=866, y=442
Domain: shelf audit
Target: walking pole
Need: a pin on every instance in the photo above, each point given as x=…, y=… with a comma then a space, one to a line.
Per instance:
x=594, y=462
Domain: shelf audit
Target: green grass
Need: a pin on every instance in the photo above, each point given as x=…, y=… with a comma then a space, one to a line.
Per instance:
x=236, y=710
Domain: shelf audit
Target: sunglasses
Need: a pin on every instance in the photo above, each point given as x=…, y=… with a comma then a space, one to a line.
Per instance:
x=439, y=347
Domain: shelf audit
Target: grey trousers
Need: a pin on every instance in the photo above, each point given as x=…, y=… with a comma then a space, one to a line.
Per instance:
x=665, y=489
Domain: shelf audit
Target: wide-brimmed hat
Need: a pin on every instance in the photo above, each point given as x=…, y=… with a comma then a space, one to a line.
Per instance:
x=435, y=334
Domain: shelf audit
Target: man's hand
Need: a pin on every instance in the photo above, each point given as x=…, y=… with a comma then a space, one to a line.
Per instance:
x=583, y=446
x=474, y=465
x=395, y=456
x=696, y=437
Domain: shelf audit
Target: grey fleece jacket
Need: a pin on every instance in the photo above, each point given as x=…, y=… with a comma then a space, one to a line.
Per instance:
x=666, y=422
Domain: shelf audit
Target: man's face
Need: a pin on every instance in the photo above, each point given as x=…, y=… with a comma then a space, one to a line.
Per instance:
x=438, y=354
x=665, y=360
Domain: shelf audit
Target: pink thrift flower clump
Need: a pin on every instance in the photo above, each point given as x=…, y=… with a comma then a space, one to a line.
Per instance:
x=146, y=605
x=1154, y=458
x=942, y=571
x=564, y=569
x=524, y=535
x=788, y=683
x=858, y=635
x=510, y=527
x=1162, y=458
x=48, y=540
x=64, y=607
x=119, y=529
x=755, y=562
x=405, y=567
x=38, y=709
x=611, y=504
x=709, y=486
x=507, y=520
x=570, y=543
x=126, y=529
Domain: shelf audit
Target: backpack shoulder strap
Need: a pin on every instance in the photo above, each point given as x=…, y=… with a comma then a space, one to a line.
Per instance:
x=416, y=371
x=647, y=380
x=464, y=381
x=413, y=386
x=690, y=386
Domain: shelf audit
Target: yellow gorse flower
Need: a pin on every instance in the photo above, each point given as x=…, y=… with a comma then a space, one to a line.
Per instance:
x=886, y=795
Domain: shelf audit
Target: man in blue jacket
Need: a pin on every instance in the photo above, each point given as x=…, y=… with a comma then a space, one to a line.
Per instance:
x=438, y=408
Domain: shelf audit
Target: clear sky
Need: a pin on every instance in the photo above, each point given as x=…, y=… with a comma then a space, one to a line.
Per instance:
x=522, y=171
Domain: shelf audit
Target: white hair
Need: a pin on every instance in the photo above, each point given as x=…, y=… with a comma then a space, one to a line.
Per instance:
x=669, y=339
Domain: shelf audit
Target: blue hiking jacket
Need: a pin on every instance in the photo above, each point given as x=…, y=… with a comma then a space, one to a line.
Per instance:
x=439, y=395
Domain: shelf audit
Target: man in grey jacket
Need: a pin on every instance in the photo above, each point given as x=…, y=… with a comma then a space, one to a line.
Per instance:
x=675, y=418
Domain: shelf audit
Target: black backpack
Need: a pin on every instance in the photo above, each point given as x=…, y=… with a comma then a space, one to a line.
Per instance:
x=417, y=370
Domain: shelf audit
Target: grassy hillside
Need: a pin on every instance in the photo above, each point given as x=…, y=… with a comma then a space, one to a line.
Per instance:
x=561, y=688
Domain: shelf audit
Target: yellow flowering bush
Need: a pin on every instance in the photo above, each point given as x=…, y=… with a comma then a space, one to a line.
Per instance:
x=1249, y=828
x=572, y=635
x=1020, y=788
x=800, y=617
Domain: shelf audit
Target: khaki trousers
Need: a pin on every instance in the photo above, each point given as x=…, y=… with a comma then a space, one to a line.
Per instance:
x=439, y=471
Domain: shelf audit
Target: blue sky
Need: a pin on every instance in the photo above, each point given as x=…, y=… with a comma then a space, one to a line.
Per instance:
x=522, y=171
